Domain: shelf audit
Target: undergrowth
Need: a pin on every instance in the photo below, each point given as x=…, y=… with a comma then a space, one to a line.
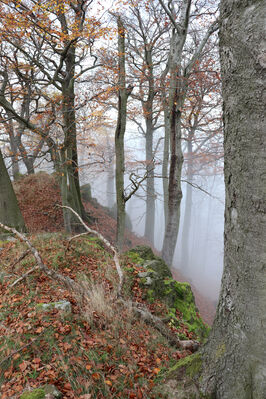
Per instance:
x=100, y=349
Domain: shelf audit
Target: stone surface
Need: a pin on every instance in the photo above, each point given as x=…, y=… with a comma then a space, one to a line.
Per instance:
x=65, y=306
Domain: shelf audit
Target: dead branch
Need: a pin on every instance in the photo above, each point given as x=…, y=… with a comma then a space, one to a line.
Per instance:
x=24, y=276
x=19, y=259
x=74, y=237
x=158, y=324
x=17, y=351
x=71, y=285
x=65, y=281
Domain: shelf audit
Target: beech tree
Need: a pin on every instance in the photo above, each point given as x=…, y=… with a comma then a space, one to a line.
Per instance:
x=147, y=56
x=10, y=214
x=54, y=38
x=235, y=355
x=180, y=69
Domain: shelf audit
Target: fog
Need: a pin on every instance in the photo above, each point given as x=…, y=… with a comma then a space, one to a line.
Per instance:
x=205, y=257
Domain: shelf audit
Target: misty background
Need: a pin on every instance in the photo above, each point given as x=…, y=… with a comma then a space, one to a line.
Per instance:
x=205, y=259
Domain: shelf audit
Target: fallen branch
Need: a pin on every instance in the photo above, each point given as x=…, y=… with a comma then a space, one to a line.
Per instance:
x=107, y=243
x=18, y=260
x=66, y=281
x=143, y=313
x=24, y=276
x=158, y=324
x=17, y=351
x=74, y=237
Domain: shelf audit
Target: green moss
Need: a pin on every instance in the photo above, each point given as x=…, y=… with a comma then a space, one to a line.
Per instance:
x=36, y=394
x=191, y=365
x=144, y=252
x=158, y=283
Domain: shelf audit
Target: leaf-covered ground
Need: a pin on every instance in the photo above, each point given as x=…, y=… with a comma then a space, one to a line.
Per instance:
x=38, y=197
x=103, y=352
x=99, y=350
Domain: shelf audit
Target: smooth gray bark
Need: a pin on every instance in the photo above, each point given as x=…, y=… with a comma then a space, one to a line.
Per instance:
x=10, y=214
x=235, y=356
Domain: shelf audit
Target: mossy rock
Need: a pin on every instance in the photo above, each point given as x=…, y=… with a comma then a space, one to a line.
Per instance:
x=64, y=306
x=143, y=251
x=38, y=393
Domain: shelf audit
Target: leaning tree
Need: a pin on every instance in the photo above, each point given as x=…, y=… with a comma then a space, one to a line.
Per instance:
x=235, y=356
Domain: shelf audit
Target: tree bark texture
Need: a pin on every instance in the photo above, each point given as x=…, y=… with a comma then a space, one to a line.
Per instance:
x=10, y=214
x=235, y=356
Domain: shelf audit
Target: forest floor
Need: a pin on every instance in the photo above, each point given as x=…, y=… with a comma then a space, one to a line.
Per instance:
x=38, y=199
x=96, y=351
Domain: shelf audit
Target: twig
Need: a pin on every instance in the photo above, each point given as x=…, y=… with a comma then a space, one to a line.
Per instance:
x=74, y=237
x=18, y=260
x=18, y=350
x=24, y=276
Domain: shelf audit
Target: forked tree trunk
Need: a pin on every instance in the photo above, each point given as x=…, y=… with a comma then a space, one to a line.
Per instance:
x=10, y=214
x=235, y=356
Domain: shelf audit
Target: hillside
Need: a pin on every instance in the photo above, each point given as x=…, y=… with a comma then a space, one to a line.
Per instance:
x=86, y=342
x=38, y=196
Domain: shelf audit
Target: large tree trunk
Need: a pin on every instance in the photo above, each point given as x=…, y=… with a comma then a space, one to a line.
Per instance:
x=235, y=356
x=119, y=137
x=14, y=150
x=174, y=187
x=150, y=191
x=70, y=187
x=166, y=161
x=10, y=214
x=148, y=114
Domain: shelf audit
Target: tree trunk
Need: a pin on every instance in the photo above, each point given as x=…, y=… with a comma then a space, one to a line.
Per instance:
x=70, y=187
x=148, y=114
x=119, y=137
x=166, y=161
x=174, y=188
x=10, y=214
x=14, y=150
x=150, y=194
x=235, y=356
